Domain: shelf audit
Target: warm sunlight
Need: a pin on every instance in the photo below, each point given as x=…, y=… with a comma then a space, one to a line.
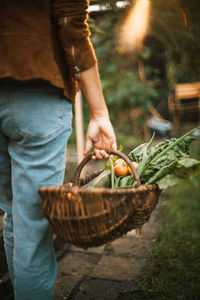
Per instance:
x=135, y=27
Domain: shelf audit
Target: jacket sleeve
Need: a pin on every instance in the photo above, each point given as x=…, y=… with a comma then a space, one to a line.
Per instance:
x=71, y=19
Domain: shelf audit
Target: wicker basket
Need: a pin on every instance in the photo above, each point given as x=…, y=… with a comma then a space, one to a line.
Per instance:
x=89, y=217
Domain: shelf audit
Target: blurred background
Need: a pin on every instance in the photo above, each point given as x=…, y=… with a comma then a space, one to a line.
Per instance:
x=148, y=53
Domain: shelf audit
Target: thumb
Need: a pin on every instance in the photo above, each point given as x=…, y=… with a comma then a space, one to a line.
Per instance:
x=88, y=146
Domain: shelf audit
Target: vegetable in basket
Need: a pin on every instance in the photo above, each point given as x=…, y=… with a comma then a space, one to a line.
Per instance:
x=120, y=167
x=164, y=164
x=167, y=163
x=102, y=180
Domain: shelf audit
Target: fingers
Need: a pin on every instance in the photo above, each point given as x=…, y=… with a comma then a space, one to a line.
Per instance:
x=88, y=146
x=100, y=154
x=113, y=146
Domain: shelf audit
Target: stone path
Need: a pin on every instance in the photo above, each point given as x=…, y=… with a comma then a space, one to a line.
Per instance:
x=102, y=273
x=106, y=272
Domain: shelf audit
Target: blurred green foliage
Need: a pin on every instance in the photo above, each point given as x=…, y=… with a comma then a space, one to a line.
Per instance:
x=119, y=73
x=170, y=53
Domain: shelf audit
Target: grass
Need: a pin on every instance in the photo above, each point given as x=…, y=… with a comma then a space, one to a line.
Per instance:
x=173, y=271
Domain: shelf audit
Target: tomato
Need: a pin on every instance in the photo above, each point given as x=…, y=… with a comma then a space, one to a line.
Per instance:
x=135, y=164
x=120, y=167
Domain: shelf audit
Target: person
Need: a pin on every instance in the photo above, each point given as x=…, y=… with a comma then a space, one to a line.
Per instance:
x=45, y=56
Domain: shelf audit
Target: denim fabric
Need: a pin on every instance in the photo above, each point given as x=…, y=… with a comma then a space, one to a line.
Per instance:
x=35, y=125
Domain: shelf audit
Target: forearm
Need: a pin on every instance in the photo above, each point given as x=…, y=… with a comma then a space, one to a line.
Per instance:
x=91, y=88
x=100, y=133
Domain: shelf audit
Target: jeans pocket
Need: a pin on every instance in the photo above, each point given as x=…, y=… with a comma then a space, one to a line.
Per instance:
x=39, y=114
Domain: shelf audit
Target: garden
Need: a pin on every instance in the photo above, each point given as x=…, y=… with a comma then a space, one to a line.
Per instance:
x=149, y=63
x=136, y=84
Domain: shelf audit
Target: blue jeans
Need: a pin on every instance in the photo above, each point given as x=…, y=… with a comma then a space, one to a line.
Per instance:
x=35, y=127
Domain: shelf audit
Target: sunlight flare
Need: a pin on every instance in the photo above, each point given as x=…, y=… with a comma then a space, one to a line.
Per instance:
x=135, y=27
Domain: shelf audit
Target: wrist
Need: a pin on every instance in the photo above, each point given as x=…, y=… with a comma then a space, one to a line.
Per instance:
x=99, y=114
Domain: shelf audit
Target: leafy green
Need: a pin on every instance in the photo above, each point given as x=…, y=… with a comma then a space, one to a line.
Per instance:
x=126, y=181
x=167, y=163
x=111, y=161
x=187, y=169
x=112, y=174
x=145, y=157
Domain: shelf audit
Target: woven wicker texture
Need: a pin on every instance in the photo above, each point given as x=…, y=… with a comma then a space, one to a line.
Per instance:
x=89, y=217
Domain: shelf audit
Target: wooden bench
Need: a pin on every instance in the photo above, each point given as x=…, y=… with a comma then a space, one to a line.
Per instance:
x=185, y=100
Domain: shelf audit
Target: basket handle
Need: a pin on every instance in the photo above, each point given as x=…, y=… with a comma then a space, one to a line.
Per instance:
x=118, y=153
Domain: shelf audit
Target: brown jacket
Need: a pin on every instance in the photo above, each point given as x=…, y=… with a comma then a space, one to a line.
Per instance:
x=47, y=39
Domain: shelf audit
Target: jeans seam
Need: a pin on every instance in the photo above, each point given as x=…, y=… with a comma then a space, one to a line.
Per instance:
x=48, y=270
x=60, y=165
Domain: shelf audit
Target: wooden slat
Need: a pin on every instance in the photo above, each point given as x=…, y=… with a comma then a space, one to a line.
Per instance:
x=178, y=105
x=187, y=91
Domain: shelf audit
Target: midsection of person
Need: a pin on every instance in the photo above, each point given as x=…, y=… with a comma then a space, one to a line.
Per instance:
x=35, y=43
x=26, y=42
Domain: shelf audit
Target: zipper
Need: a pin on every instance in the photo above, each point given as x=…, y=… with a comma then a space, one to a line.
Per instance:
x=76, y=67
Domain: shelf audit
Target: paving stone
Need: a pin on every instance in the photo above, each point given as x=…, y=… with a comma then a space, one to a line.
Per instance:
x=140, y=249
x=130, y=246
x=150, y=228
x=131, y=233
x=64, y=286
x=121, y=246
x=116, y=268
x=60, y=247
x=97, y=250
x=100, y=289
x=76, y=263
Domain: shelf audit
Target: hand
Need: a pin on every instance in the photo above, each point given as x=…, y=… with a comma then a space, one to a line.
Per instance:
x=101, y=136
